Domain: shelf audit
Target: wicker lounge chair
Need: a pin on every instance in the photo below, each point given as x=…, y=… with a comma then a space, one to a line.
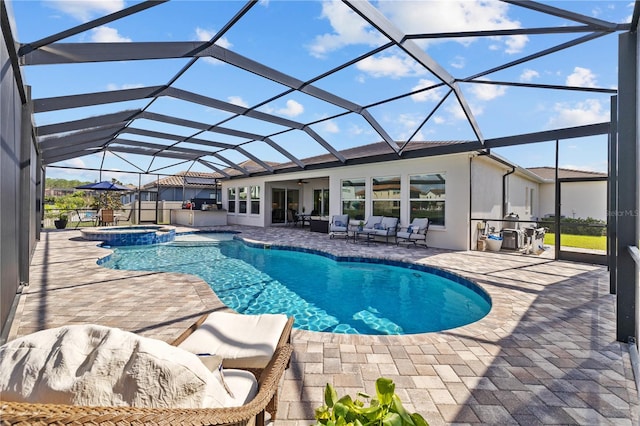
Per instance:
x=245, y=342
x=15, y=413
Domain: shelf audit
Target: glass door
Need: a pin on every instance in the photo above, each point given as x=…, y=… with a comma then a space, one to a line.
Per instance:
x=293, y=203
x=320, y=202
x=278, y=209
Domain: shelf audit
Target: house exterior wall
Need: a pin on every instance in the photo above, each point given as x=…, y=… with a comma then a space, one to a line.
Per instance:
x=455, y=167
x=521, y=194
x=578, y=199
x=547, y=199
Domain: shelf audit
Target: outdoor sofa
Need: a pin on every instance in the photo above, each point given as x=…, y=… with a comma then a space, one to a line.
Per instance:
x=380, y=226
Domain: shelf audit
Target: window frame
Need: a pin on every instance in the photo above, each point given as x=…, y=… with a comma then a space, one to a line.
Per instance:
x=440, y=200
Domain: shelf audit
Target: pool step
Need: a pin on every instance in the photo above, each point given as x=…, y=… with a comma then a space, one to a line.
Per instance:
x=378, y=323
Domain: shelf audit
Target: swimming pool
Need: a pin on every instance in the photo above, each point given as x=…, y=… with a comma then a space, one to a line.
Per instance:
x=358, y=296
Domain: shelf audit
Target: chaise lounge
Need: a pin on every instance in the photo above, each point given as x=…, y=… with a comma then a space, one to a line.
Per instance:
x=246, y=342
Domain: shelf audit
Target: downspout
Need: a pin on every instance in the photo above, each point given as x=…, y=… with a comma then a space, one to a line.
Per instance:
x=504, y=191
x=470, y=206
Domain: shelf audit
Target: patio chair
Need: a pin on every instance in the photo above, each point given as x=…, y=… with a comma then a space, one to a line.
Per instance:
x=253, y=395
x=339, y=225
x=85, y=217
x=414, y=233
x=292, y=217
x=387, y=227
x=106, y=217
x=246, y=342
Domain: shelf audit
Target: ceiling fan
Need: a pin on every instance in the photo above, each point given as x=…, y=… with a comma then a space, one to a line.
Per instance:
x=300, y=181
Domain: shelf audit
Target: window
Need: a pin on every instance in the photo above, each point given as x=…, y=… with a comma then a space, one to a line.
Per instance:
x=427, y=197
x=242, y=196
x=255, y=200
x=386, y=196
x=231, y=208
x=352, y=197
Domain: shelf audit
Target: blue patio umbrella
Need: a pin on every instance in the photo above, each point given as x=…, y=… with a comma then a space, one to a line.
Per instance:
x=104, y=186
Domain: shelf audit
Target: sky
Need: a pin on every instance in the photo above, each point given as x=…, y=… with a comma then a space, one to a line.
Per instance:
x=305, y=39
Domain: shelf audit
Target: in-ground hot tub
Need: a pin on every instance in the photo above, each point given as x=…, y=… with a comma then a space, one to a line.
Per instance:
x=135, y=235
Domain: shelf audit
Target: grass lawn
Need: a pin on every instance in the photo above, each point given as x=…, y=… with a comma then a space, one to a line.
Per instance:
x=580, y=241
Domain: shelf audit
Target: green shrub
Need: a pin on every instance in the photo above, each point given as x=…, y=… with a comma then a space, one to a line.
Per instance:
x=385, y=410
x=577, y=226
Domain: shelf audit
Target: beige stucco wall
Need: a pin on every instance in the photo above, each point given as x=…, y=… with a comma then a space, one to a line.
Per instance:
x=486, y=193
x=578, y=199
x=455, y=233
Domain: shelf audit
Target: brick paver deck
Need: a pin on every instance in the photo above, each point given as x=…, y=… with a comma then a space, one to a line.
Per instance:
x=545, y=354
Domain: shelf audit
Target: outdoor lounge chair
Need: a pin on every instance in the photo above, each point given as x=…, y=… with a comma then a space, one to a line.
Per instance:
x=85, y=217
x=387, y=227
x=414, y=233
x=245, y=342
x=339, y=225
x=249, y=413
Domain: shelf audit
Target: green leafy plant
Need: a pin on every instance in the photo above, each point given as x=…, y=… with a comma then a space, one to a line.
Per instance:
x=385, y=410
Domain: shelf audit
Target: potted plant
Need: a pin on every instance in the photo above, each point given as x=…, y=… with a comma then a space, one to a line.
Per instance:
x=360, y=225
x=385, y=410
x=62, y=221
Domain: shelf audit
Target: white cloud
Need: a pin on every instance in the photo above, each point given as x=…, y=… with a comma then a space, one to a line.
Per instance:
x=581, y=77
x=237, y=100
x=356, y=130
x=433, y=95
x=113, y=86
x=348, y=29
x=528, y=75
x=106, y=34
x=438, y=119
x=75, y=162
x=458, y=62
x=578, y=114
x=515, y=43
x=454, y=15
x=487, y=92
x=390, y=66
x=457, y=113
x=292, y=109
x=206, y=35
x=330, y=126
x=85, y=10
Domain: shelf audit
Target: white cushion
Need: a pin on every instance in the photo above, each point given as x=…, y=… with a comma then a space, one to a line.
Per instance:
x=103, y=366
x=243, y=341
x=243, y=387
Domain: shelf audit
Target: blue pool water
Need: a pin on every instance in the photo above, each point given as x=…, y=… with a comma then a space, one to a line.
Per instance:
x=321, y=293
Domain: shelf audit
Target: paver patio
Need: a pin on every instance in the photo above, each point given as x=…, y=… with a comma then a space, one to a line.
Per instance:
x=545, y=354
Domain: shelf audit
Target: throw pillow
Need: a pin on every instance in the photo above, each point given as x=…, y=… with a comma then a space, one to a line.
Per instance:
x=338, y=223
x=410, y=229
x=377, y=226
